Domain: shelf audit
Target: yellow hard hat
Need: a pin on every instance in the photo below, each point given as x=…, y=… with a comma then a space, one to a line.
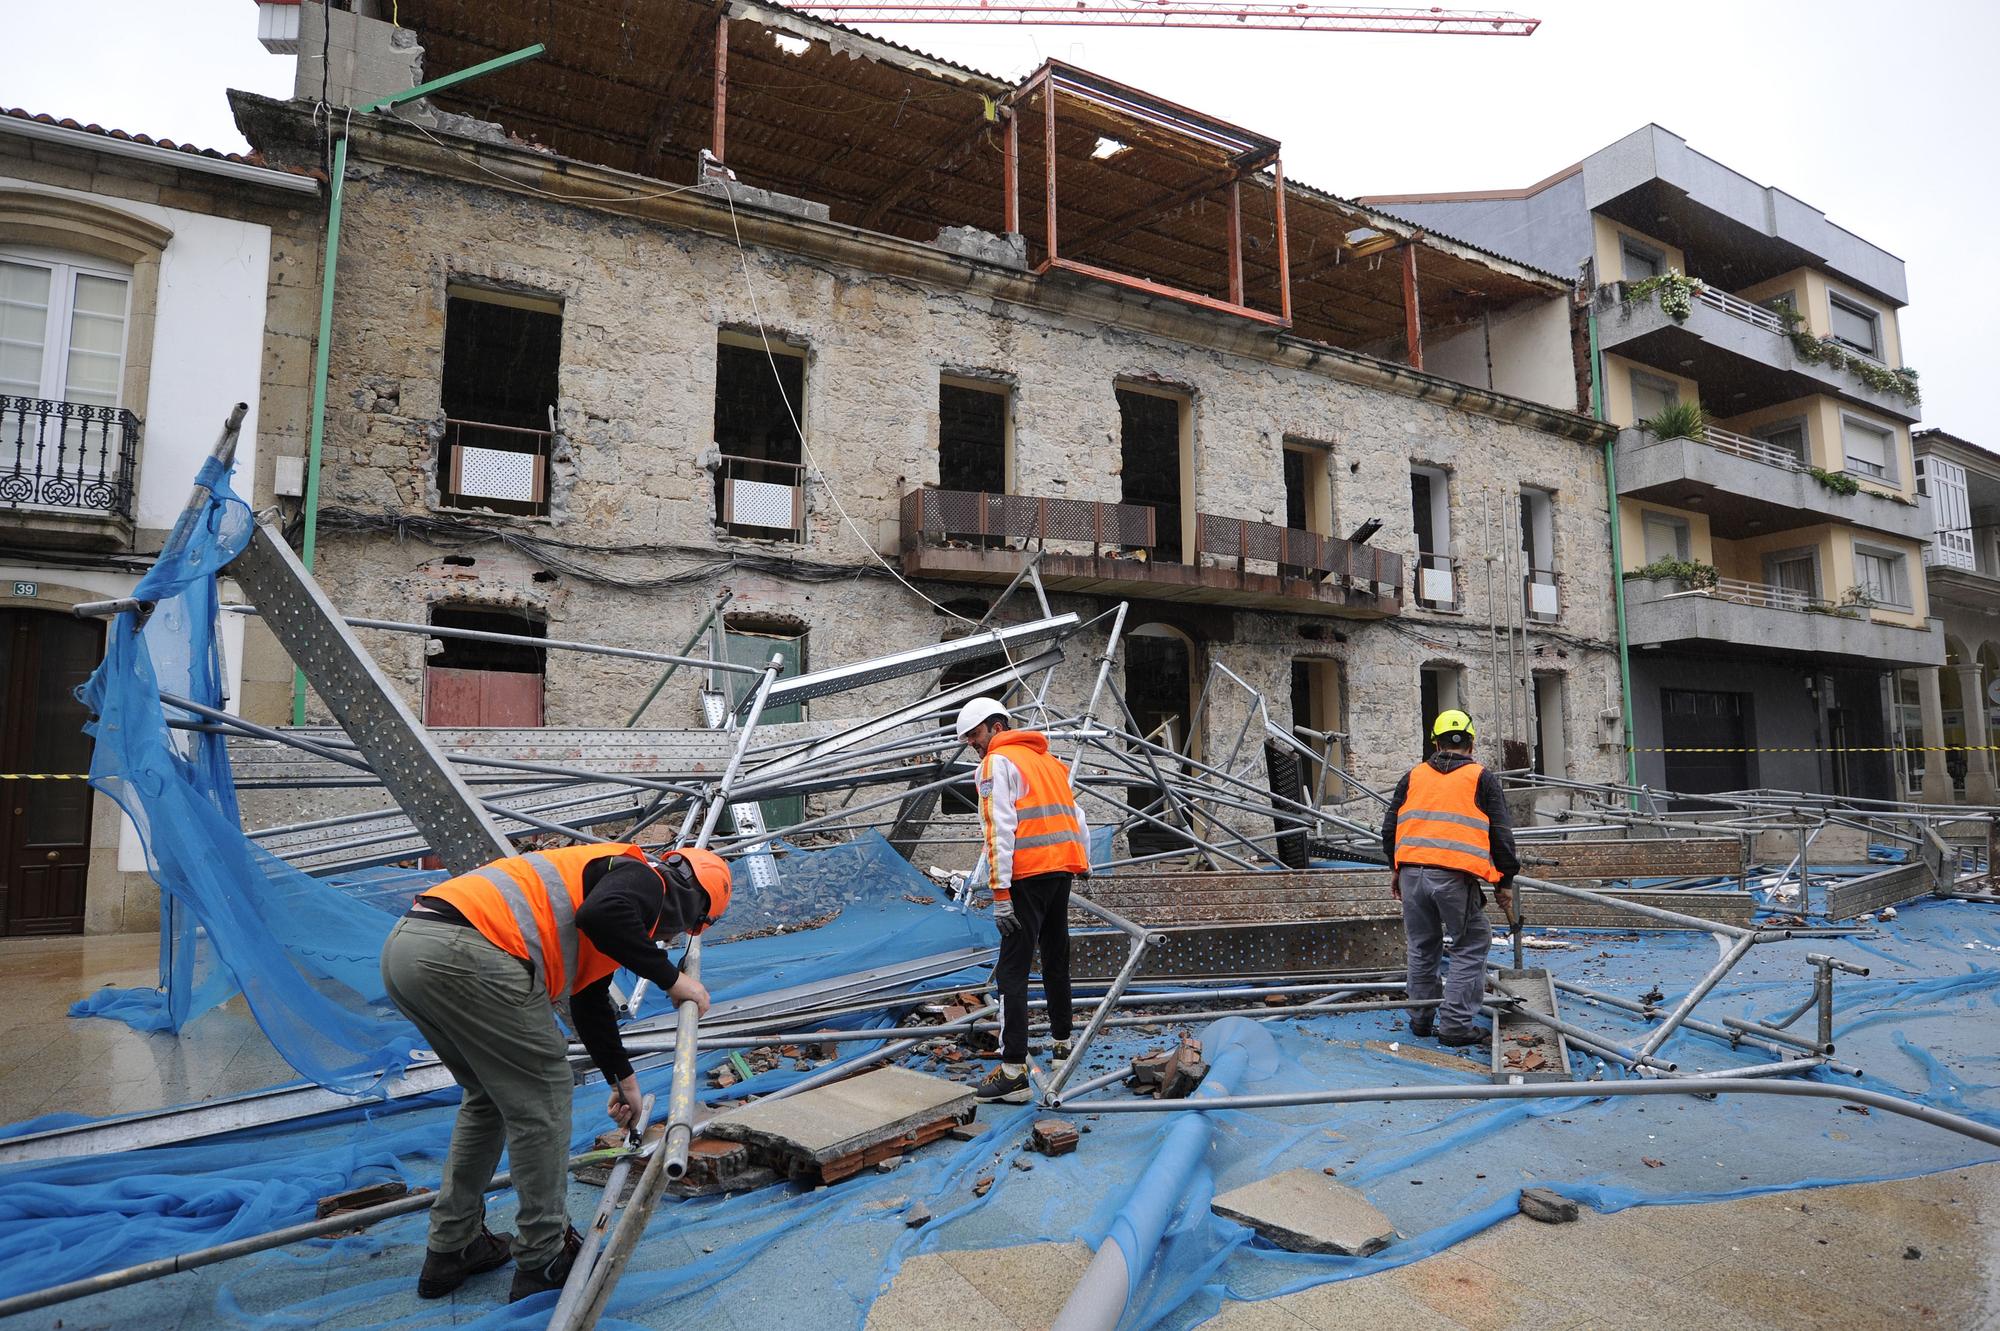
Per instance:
x=1452, y=721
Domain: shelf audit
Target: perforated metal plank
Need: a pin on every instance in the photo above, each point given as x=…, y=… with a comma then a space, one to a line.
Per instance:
x=369, y=709
x=1871, y=892
x=1315, y=948
x=1693, y=857
x=1510, y=1057
x=936, y=656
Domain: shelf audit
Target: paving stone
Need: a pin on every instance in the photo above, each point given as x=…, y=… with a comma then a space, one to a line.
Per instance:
x=832, y=1121
x=1303, y=1210
x=1551, y=1208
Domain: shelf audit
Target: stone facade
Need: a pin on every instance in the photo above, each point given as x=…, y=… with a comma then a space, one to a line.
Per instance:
x=647, y=288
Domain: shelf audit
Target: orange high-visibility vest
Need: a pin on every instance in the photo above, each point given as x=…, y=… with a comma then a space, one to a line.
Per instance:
x=526, y=906
x=1048, y=837
x=1440, y=822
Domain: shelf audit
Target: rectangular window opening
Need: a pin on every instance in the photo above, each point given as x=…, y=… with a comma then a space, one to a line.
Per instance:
x=1856, y=326
x=1308, y=475
x=1667, y=538
x=1641, y=261
x=975, y=437
x=472, y=682
x=502, y=359
x=1154, y=464
x=1870, y=449
x=1790, y=435
x=1438, y=688
x=1652, y=395
x=1430, y=515
x=1883, y=575
x=760, y=395
x=1541, y=598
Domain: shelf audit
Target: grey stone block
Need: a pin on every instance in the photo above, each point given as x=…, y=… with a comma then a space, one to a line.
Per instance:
x=1302, y=1210
x=829, y=1122
x=1551, y=1208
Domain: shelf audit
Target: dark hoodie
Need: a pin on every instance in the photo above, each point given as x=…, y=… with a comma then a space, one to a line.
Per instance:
x=1500, y=835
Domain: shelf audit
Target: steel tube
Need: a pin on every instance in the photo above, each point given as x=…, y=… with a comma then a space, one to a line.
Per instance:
x=1141, y=944
x=1636, y=908
x=600, y=1223
x=1693, y=996
x=1563, y=1090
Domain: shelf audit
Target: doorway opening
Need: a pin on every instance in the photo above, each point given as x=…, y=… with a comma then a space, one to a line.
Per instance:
x=45, y=830
x=760, y=395
x=1156, y=465
x=469, y=682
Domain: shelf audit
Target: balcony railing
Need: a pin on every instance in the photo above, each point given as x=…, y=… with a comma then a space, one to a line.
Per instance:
x=1541, y=596
x=1737, y=307
x=501, y=467
x=1437, y=582
x=67, y=457
x=1763, y=594
x=762, y=497
x=1089, y=545
x=1755, y=450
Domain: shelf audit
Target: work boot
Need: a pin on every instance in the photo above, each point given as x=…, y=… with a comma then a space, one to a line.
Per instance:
x=446, y=1271
x=1470, y=1035
x=529, y=1282
x=1422, y=1026
x=1001, y=1084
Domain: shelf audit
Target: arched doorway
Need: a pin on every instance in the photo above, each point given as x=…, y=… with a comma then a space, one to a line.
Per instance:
x=44, y=825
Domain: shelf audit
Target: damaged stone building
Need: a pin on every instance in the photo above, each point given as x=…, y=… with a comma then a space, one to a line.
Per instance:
x=726, y=299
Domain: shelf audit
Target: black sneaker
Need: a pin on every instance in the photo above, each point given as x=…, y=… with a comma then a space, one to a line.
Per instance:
x=1470, y=1035
x=999, y=1084
x=540, y=1280
x=446, y=1271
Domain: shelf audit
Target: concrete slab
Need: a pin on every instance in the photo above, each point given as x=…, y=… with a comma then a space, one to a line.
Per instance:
x=828, y=1122
x=1303, y=1210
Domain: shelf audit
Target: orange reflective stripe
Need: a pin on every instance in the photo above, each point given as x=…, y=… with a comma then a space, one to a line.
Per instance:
x=1440, y=822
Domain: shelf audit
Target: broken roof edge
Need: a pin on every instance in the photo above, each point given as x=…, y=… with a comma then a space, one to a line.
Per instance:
x=521, y=167
x=868, y=46
x=139, y=147
x=1473, y=195
x=1462, y=249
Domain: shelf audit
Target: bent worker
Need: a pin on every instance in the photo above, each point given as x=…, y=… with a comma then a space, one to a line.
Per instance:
x=480, y=965
x=1036, y=845
x=1447, y=835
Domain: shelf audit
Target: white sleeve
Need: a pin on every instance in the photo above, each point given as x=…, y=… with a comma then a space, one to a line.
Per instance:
x=1082, y=823
x=999, y=792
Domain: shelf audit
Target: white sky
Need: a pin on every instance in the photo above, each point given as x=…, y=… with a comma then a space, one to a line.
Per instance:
x=1881, y=115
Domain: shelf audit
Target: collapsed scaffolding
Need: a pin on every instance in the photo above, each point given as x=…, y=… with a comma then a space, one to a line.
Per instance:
x=1277, y=889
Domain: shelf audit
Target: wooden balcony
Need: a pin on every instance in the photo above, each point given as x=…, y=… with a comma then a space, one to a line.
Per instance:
x=1108, y=550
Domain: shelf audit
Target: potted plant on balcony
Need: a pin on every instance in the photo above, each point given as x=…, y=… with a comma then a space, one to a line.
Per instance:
x=1682, y=420
x=1685, y=575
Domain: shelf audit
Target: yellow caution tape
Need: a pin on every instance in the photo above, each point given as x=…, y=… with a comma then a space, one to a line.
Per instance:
x=44, y=776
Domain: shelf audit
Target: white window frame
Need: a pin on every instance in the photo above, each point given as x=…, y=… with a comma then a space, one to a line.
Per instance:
x=1899, y=563
x=63, y=270
x=1683, y=534
x=1873, y=316
x=1890, y=473
x=1654, y=381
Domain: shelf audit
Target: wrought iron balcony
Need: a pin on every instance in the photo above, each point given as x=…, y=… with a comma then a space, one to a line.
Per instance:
x=67, y=457
x=1113, y=550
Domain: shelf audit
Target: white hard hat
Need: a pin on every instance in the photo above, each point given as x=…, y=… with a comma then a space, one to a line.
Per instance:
x=976, y=711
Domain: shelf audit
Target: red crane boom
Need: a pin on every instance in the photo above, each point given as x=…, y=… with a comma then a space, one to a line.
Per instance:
x=1182, y=14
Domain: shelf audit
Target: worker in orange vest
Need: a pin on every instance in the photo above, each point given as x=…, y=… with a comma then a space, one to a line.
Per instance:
x=1037, y=844
x=1447, y=835
x=480, y=965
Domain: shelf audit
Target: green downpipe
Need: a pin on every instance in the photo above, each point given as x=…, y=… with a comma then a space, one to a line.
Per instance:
x=317, y=435
x=1617, y=558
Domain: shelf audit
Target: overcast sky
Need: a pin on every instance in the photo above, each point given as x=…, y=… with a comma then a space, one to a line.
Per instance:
x=1881, y=115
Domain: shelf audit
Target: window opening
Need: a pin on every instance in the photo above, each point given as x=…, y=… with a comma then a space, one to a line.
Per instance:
x=1869, y=448
x=1551, y=733
x=1795, y=572
x=470, y=682
x=752, y=640
x=1430, y=515
x=1641, y=261
x=1667, y=537
x=1151, y=463
x=1882, y=576
x=1651, y=396
x=972, y=438
x=759, y=402
x=1540, y=597
x=502, y=357
x=1319, y=705
x=1437, y=690
x=1789, y=435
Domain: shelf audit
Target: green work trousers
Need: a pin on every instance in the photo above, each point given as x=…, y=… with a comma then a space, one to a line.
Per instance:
x=490, y=1023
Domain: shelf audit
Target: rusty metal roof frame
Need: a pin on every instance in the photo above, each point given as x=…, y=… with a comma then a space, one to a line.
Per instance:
x=897, y=141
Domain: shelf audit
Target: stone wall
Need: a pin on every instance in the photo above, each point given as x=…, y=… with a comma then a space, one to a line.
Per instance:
x=644, y=302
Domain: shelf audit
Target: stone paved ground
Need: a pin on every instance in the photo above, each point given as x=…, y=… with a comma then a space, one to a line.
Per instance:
x=50, y=1063
x=1827, y=1257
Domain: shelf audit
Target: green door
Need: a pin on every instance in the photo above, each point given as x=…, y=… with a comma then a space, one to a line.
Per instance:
x=755, y=647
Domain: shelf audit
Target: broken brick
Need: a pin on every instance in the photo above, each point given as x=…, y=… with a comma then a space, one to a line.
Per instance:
x=1052, y=1137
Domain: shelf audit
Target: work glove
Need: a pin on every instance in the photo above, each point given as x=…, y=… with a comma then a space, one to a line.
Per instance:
x=1003, y=917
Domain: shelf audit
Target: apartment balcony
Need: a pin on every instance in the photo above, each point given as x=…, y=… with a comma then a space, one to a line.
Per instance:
x=1960, y=585
x=66, y=473
x=1109, y=550
x=1738, y=352
x=1748, y=487
x=1769, y=621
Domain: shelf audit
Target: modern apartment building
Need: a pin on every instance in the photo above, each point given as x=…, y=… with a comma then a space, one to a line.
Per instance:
x=1772, y=552
x=1948, y=713
x=766, y=305
x=145, y=288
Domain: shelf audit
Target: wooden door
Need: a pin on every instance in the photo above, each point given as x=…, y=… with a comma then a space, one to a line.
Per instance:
x=456, y=698
x=44, y=825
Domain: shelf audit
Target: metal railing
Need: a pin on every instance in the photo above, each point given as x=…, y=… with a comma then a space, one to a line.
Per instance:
x=67, y=457
x=1767, y=595
x=1737, y=307
x=501, y=467
x=1541, y=595
x=1437, y=582
x=761, y=497
x=1755, y=450
x=933, y=517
